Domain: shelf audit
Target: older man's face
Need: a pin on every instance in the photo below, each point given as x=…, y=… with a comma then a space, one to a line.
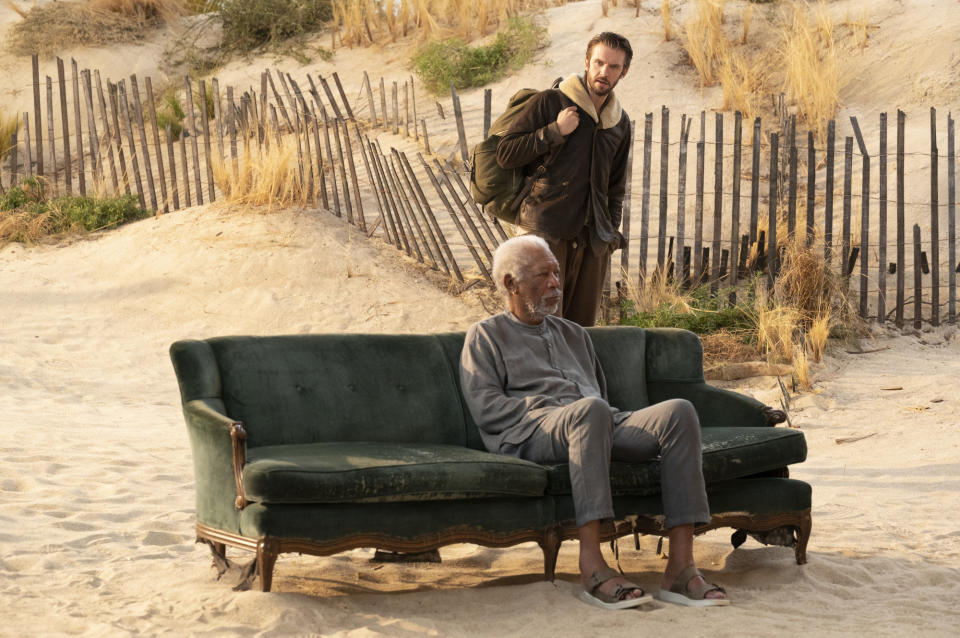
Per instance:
x=536, y=293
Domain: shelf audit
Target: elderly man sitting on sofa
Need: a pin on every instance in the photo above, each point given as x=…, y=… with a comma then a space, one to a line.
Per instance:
x=535, y=388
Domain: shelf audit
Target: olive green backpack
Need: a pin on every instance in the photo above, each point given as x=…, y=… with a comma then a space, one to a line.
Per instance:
x=501, y=190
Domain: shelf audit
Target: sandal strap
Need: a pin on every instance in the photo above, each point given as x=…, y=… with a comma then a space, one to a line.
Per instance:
x=599, y=577
x=679, y=585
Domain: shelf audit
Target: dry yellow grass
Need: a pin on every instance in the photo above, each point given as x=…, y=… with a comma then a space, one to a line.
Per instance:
x=145, y=10
x=666, y=12
x=742, y=81
x=705, y=43
x=858, y=28
x=360, y=22
x=801, y=367
x=747, y=19
x=269, y=178
x=812, y=78
x=9, y=124
x=818, y=334
x=657, y=291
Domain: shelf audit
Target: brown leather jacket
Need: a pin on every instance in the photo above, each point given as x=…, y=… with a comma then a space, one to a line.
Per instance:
x=585, y=173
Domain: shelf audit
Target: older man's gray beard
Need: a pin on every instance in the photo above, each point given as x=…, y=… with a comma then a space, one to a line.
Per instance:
x=546, y=305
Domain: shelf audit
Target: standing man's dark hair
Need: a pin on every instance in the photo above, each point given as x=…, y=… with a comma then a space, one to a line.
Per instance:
x=572, y=143
x=614, y=41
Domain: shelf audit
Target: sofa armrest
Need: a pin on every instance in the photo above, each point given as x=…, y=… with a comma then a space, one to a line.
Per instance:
x=674, y=370
x=219, y=452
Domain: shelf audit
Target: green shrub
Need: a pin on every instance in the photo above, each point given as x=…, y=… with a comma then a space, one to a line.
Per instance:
x=441, y=62
x=26, y=214
x=708, y=314
x=248, y=24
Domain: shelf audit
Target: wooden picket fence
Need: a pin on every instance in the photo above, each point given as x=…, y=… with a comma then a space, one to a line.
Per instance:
x=113, y=144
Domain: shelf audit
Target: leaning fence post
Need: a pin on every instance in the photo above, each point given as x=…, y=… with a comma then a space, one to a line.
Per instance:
x=205, y=123
x=698, y=210
x=51, y=140
x=333, y=168
x=108, y=134
x=487, y=108
x=755, y=182
x=934, y=222
x=144, y=149
x=461, y=131
x=194, y=146
x=811, y=185
x=433, y=221
x=413, y=102
x=112, y=91
x=343, y=96
x=847, y=190
x=625, y=207
x=27, y=149
x=65, y=123
x=96, y=161
x=122, y=97
x=463, y=211
x=75, y=82
x=173, y=168
x=361, y=222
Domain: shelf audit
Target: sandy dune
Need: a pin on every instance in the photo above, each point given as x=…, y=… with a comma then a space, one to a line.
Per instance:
x=96, y=487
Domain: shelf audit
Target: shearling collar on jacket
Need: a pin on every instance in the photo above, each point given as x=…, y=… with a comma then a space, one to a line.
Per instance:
x=610, y=114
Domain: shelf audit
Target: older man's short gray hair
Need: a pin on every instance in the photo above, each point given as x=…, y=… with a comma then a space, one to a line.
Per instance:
x=513, y=258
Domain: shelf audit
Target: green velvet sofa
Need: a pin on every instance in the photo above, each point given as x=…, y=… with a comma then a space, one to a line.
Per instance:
x=322, y=443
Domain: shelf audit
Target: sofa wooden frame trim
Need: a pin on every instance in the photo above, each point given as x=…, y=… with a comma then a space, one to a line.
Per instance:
x=269, y=548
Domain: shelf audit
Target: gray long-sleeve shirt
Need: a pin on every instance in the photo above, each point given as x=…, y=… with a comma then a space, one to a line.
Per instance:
x=514, y=373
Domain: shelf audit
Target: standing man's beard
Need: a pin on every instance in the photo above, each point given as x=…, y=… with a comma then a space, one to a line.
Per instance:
x=599, y=88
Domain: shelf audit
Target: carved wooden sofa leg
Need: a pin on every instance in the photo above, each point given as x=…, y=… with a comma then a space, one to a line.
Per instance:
x=267, y=551
x=803, y=535
x=550, y=544
x=219, y=552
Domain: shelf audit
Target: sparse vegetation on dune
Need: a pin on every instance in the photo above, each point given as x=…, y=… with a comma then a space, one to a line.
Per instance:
x=788, y=324
x=441, y=62
x=28, y=213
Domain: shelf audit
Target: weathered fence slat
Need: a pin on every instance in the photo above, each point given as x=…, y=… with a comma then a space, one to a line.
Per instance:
x=413, y=102
x=333, y=103
x=144, y=149
x=174, y=191
x=717, y=204
x=755, y=182
x=37, y=119
x=625, y=207
x=864, y=216
x=75, y=82
x=811, y=185
x=108, y=135
x=463, y=211
x=487, y=111
x=27, y=148
x=433, y=220
x=343, y=171
x=468, y=198
x=361, y=221
x=194, y=145
x=333, y=168
x=461, y=131
x=697, y=251
x=51, y=140
x=396, y=230
x=828, y=193
x=934, y=222
x=184, y=168
x=433, y=247
x=951, y=224
x=128, y=127
x=96, y=161
x=276, y=96
x=399, y=197
x=664, y=177
x=205, y=123
x=65, y=124
x=112, y=92
x=681, y=195
x=882, y=239
x=917, y=282
x=456, y=220
x=395, y=99
x=343, y=96
x=847, y=194
x=735, y=212
x=772, y=252
x=792, y=183
x=645, y=198
x=383, y=103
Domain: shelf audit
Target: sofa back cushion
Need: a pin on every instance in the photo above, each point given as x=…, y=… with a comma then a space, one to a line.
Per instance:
x=622, y=354
x=337, y=387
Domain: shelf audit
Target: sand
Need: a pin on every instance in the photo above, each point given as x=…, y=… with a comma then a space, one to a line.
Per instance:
x=96, y=487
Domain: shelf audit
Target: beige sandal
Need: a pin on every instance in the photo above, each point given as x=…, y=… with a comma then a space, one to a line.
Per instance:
x=679, y=594
x=617, y=599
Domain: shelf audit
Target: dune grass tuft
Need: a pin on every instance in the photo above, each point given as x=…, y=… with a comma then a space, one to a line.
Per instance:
x=705, y=42
x=812, y=78
x=264, y=178
x=665, y=13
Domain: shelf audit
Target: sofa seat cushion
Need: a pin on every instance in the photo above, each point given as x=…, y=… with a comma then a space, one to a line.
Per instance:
x=728, y=453
x=368, y=472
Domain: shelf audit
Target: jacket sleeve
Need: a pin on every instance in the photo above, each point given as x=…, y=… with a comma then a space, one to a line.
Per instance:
x=618, y=179
x=533, y=134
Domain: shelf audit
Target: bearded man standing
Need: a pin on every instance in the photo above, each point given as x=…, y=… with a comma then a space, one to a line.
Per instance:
x=573, y=142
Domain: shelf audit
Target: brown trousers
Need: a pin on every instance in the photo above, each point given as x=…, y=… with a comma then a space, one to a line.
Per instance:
x=582, y=274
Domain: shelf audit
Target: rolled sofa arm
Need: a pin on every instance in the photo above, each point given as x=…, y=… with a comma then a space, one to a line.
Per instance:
x=674, y=370
x=203, y=416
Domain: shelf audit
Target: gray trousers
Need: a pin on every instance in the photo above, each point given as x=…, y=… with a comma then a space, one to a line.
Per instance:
x=587, y=436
